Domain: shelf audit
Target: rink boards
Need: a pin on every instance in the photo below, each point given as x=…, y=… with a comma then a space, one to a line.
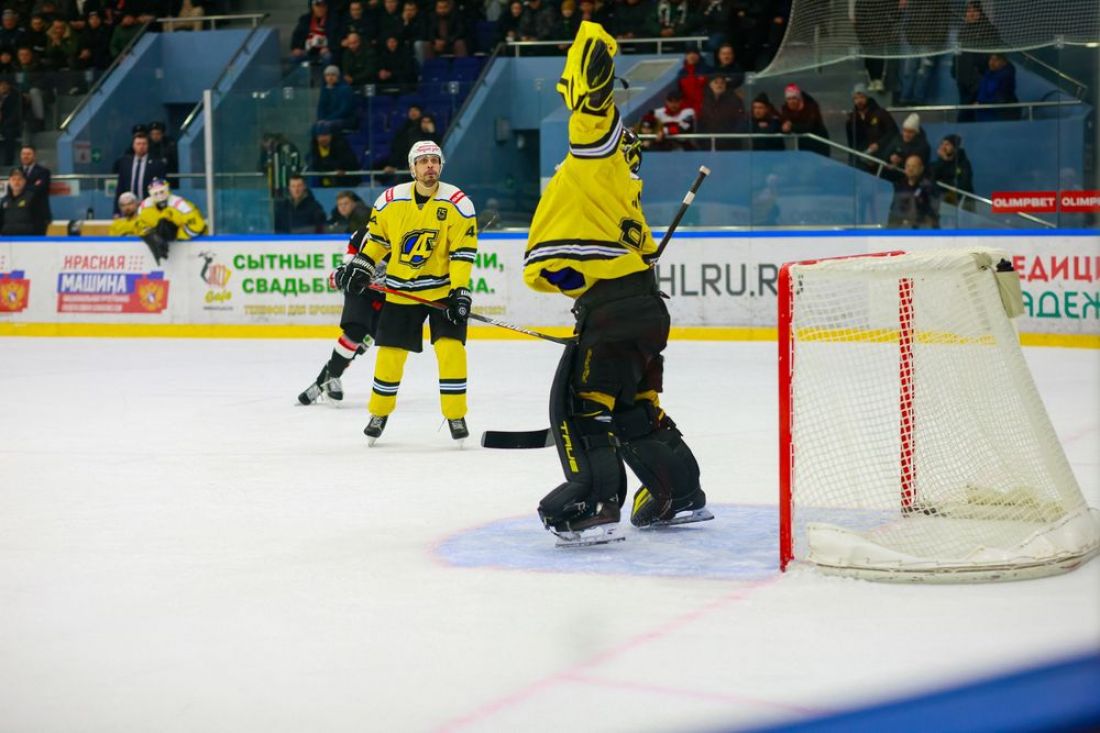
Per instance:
x=722, y=285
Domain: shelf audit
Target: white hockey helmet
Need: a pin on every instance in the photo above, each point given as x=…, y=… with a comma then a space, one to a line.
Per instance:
x=422, y=148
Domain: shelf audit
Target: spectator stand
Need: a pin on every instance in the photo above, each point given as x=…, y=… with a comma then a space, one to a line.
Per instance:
x=445, y=83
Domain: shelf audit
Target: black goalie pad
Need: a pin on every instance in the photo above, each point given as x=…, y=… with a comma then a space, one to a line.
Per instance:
x=657, y=454
x=588, y=453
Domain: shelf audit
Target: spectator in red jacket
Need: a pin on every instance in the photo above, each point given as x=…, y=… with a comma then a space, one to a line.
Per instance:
x=693, y=80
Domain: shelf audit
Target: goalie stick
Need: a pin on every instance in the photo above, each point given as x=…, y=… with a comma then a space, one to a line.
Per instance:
x=475, y=316
x=528, y=439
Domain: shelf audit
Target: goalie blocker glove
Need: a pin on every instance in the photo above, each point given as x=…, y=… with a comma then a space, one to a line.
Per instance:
x=357, y=275
x=458, y=305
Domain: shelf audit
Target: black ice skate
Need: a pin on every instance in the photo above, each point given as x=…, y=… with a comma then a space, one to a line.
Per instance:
x=459, y=431
x=599, y=527
x=324, y=384
x=649, y=512
x=334, y=388
x=374, y=428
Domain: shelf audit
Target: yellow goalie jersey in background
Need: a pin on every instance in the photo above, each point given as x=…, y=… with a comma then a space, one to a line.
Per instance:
x=432, y=247
x=178, y=210
x=589, y=224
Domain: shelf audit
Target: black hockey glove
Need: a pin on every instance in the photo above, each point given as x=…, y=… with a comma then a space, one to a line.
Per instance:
x=338, y=278
x=358, y=275
x=458, y=306
x=600, y=75
x=169, y=230
x=156, y=243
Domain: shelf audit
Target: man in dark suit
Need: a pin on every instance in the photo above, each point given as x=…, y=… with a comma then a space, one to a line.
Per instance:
x=137, y=169
x=38, y=181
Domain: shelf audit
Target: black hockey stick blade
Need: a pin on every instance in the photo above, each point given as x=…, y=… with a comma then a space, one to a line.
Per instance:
x=517, y=439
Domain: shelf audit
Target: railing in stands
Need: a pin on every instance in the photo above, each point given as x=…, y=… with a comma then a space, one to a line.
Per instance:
x=660, y=44
x=1029, y=106
x=229, y=66
x=1080, y=87
x=255, y=19
x=98, y=86
x=879, y=164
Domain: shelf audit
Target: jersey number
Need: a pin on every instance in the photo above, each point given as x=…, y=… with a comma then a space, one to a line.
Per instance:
x=417, y=247
x=630, y=233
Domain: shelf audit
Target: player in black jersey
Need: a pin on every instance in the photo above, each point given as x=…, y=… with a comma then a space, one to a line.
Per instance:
x=358, y=325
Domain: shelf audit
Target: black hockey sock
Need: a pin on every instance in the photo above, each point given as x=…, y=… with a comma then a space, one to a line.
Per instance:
x=337, y=364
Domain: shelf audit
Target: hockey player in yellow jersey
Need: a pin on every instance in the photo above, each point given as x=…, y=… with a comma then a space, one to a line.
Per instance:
x=589, y=241
x=165, y=217
x=429, y=230
x=127, y=223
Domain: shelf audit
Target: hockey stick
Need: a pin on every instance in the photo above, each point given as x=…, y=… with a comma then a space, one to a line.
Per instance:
x=475, y=316
x=688, y=198
x=517, y=439
x=527, y=439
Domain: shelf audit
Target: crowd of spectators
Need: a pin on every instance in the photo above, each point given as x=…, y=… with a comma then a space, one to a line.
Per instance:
x=384, y=42
x=920, y=31
x=390, y=34
x=52, y=47
x=709, y=98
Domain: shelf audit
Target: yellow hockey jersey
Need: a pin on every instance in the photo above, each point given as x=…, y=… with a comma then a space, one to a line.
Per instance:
x=127, y=226
x=432, y=247
x=589, y=219
x=178, y=210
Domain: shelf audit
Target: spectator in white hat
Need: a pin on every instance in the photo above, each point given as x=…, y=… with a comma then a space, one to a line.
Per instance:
x=912, y=142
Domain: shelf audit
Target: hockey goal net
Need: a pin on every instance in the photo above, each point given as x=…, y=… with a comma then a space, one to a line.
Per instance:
x=913, y=442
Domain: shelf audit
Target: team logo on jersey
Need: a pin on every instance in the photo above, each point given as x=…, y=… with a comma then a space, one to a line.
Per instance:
x=441, y=213
x=417, y=247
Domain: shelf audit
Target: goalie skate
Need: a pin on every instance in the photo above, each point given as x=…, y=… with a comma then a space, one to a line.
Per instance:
x=599, y=535
x=649, y=511
x=687, y=516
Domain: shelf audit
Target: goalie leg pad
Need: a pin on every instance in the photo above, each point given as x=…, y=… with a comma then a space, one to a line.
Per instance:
x=594, y=475
x=657, y=454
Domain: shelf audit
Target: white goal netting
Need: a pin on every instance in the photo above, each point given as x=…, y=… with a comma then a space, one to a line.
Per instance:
x=919, y=446
x=821, y=32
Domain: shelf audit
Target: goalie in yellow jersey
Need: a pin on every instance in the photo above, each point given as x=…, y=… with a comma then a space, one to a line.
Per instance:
x=590, y=241
x=429, y=231
x=165, y=217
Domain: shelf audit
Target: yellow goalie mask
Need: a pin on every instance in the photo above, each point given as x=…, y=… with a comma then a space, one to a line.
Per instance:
x=588, y=80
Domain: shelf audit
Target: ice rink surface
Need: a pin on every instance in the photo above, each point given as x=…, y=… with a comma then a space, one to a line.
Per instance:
x=183, y=548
